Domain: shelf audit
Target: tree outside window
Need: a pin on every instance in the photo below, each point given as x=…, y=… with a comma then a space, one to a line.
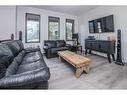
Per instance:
x=69, y=29
x=32, y=28
x=54, y=28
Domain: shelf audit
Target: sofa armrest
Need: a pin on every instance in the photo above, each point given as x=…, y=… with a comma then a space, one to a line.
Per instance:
x=45, y=47
x=38, y=75
x=68, y=45
x=32, y=49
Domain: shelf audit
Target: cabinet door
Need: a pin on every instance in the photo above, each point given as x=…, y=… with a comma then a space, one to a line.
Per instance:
x=95, y=45
x=88, y=44
x=104, y=47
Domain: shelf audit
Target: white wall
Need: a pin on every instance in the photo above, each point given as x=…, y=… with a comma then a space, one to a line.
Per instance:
x=7, y=21
x=21, y=11
x=120, y=22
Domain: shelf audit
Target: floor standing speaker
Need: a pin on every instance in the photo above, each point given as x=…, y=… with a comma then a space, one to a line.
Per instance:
x=119, y=55
x=20, y=35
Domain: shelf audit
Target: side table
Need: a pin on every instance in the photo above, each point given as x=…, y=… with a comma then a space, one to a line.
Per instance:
x=77, y=48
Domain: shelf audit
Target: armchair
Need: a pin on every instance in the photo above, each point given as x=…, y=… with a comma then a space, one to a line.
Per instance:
x=51, y=47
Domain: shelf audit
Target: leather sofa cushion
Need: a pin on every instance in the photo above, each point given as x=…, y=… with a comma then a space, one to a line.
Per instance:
x=31, y=57
x=55, y=50
x=13, y=67
x=2, y=70
x=20, y=56
x=50, y=44
x=60, y=43
x=23, y=68
x=32, y=49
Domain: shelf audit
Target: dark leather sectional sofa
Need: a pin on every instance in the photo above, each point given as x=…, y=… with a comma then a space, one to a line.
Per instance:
x=22, y=68
x=51, y=47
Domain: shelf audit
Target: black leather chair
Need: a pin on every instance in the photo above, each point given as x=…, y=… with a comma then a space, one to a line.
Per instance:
x=51, y=47
x=22, y=68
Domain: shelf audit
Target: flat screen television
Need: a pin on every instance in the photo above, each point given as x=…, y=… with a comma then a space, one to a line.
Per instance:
x=102, y=25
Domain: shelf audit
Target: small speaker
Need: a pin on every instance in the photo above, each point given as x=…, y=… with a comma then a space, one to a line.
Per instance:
x=20, y=35
x=119, y=55
x=12, y=36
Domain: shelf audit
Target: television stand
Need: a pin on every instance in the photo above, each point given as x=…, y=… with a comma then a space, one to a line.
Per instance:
x=104, y=46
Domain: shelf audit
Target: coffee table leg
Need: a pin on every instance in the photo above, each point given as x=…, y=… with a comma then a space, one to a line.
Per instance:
x=78, y=72
x=60, y=58
x=86, y=69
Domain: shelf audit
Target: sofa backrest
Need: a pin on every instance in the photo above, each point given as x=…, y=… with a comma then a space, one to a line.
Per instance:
x=60, y=43
x=50, y=43
x=6, y=55
x=15, y=46
x=9, y=50
x=54, y=43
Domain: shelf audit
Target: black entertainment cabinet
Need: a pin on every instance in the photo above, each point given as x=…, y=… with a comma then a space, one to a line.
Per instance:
x=103, y=46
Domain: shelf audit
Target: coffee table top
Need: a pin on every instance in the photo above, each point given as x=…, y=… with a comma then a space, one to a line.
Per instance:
x=73, y=58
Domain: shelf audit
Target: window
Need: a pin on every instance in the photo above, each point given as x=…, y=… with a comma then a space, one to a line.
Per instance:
x=69, y=29
x=32, y=28
x=54, y=28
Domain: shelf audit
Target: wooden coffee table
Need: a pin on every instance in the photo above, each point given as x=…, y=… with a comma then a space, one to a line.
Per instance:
x=81, y=63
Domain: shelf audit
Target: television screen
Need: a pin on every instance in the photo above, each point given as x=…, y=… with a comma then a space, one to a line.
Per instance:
x=102, y=25
x=91, y=27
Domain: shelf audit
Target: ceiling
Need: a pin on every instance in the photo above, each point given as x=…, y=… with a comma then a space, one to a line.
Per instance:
x=69, y=9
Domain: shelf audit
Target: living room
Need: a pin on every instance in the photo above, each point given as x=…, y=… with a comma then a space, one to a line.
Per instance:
x=63, y=47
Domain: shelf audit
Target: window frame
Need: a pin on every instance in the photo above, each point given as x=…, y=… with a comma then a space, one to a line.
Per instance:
x=26, y=27
x=73, y=28
x=49, y=26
